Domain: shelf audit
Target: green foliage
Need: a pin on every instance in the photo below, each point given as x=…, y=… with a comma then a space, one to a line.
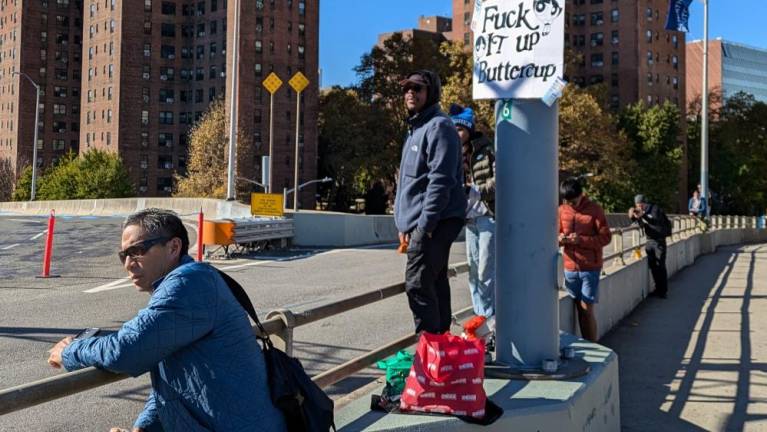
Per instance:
x=95, y=175
x=737, y=155
x=23, y=185
x=656, y=147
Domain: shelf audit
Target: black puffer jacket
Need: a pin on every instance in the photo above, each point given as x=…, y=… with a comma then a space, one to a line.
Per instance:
x=482, y=169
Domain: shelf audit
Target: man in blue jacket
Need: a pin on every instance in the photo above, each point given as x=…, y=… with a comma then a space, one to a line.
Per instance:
x=430, y=204
x=194, y=338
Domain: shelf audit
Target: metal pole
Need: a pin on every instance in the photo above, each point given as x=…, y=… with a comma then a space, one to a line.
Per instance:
x=271, y=140
x=704, y=113
x=527, y=307
x=34, y=143
x=230, y=190
x=296, y=191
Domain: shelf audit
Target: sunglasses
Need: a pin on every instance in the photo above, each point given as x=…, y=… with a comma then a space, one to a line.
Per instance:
x=415, y=87
x=139, y=249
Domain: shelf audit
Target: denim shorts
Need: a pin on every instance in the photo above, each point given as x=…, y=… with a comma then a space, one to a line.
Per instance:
x=583, y=285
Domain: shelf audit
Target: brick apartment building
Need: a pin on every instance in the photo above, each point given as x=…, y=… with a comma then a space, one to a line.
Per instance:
x=621, y=43
x=435, y=28
x=149, y=70
x=732, y=68
x=43, y=40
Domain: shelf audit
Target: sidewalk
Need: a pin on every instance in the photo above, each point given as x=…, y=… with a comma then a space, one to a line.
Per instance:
x=698, y=360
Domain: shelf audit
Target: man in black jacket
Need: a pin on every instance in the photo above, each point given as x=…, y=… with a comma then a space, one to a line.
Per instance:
x=656, y=226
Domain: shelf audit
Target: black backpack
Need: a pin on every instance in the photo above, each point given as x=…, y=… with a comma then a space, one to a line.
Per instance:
x=304, y=405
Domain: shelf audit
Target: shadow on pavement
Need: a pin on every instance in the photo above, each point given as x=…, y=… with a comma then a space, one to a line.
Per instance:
x=653, y=341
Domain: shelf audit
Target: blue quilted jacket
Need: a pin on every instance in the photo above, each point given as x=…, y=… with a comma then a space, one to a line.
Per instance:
x=207, y=369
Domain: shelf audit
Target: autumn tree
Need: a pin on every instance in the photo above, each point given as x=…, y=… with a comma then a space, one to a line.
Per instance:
x=591, y=144
x=7, y=178
x=209, y=156
x=457, y=87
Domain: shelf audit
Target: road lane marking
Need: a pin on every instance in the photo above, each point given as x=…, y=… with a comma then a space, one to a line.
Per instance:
x=10, y=247
x=26, y=220
x=37, y=236
x=119, y=283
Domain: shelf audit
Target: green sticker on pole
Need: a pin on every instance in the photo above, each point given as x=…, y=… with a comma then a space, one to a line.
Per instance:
x=506, y=111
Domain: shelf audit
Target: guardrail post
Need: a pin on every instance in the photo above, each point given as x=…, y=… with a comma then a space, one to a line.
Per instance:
x=284, y=339
x=620, y=247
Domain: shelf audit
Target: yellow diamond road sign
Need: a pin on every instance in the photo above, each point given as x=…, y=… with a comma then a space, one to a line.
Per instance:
x=298, y=82
x=272, y=83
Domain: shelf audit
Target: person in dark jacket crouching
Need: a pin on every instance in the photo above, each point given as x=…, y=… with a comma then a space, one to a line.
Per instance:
x=208, y=372
x=656, y=226
x=430, y=204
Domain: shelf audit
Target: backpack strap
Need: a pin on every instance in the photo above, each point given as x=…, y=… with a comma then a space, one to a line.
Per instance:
x=244, y=301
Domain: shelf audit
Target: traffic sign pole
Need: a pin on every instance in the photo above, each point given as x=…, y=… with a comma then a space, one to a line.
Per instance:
x=298, y=83
x=272, y=83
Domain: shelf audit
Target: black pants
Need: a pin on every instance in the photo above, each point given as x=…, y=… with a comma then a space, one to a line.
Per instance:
x=426, y=279
x=656, y=258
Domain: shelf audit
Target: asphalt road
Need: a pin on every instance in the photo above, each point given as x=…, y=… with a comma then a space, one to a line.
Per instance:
x=91, y=292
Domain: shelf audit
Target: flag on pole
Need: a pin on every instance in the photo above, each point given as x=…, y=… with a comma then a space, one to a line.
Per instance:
x=678, y=15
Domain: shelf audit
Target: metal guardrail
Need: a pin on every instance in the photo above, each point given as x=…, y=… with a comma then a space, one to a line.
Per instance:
x=255, y=230
x=280, y=324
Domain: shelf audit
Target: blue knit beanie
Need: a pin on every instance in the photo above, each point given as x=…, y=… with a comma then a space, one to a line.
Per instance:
x=462, y=116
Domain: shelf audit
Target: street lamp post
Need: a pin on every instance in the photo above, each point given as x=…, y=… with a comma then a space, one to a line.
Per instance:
x=34, y=142
x=704, y=121
x=230, y=188
x=301, y=186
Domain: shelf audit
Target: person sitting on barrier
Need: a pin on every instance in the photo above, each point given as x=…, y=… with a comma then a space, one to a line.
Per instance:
x=430, y=204
x=207, y=369
x=697, y=205
x=656, y=226
x=583, y=232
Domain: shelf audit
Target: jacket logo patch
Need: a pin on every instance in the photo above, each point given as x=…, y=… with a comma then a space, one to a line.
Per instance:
x=414, y=148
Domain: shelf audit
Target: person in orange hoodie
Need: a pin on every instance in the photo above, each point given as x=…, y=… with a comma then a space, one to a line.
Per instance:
x=583, y=232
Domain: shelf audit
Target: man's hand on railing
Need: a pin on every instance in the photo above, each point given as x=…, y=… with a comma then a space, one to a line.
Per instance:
x=55, y=353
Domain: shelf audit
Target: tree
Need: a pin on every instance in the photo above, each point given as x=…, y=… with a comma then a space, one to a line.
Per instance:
x=457, y=87
x=656, y=147
x=208, y=156
x=96, y=174
x=6, y=179
x=591, y=143
x=737, y=155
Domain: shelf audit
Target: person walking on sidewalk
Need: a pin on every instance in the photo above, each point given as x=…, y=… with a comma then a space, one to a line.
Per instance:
x=656, y=226
x=480, y=214
x=430, y=204
x=583, y=233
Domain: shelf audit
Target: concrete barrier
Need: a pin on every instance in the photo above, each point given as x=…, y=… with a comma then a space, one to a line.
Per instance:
x=213, y=208
x=329, y=229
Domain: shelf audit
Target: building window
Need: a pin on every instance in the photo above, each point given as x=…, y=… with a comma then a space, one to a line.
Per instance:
x=597, y=39
x=147, y=5
x=258, y=69
x=615, y=58
x=59, y=109
x=615, y=38
x=675, y=41
x=649, y=58
x=165, y=139
x=199, y=74
x=675, y=62
x=198, y=96
x=259, y=46
x=597, y=60
x=168, y=30
x=213, y=49
x=614, y=15
x=168, y=8
x=166, y=117
x=145, y=94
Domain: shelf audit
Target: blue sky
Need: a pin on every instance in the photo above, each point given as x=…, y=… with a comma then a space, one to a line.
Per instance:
x=349, y=28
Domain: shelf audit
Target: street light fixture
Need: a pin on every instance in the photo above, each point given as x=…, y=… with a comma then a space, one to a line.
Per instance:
x=34, y=143
x=301, y=186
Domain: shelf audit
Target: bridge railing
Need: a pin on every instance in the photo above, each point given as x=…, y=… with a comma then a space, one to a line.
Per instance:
x=280, y=324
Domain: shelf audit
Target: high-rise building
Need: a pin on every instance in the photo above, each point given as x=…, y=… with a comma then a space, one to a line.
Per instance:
x=620, y=43
x=153, y=70
x=279, y=36
x=732, y=68
x=434, y=28
x=149, y=70
x=42, y=40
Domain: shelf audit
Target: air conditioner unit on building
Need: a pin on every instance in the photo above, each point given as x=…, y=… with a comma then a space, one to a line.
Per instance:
x=163, y=77
x=171, y=56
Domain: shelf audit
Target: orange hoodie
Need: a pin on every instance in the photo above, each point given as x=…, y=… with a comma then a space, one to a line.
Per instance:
x=587, y=220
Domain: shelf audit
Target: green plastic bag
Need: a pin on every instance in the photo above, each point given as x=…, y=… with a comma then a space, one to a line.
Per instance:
x=397, y=369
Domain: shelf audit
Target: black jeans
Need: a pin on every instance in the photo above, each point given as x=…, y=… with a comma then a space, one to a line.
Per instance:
x=426, y=279
x=656, y=258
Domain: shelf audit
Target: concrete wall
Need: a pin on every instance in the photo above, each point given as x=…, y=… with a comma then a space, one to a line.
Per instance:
x=212, y=208
x=330, y=229
x=623, y=288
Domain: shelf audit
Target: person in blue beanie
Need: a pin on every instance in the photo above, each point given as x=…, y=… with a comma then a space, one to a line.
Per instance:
x=479, y=154
x=430, y=204
x=208, y=372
